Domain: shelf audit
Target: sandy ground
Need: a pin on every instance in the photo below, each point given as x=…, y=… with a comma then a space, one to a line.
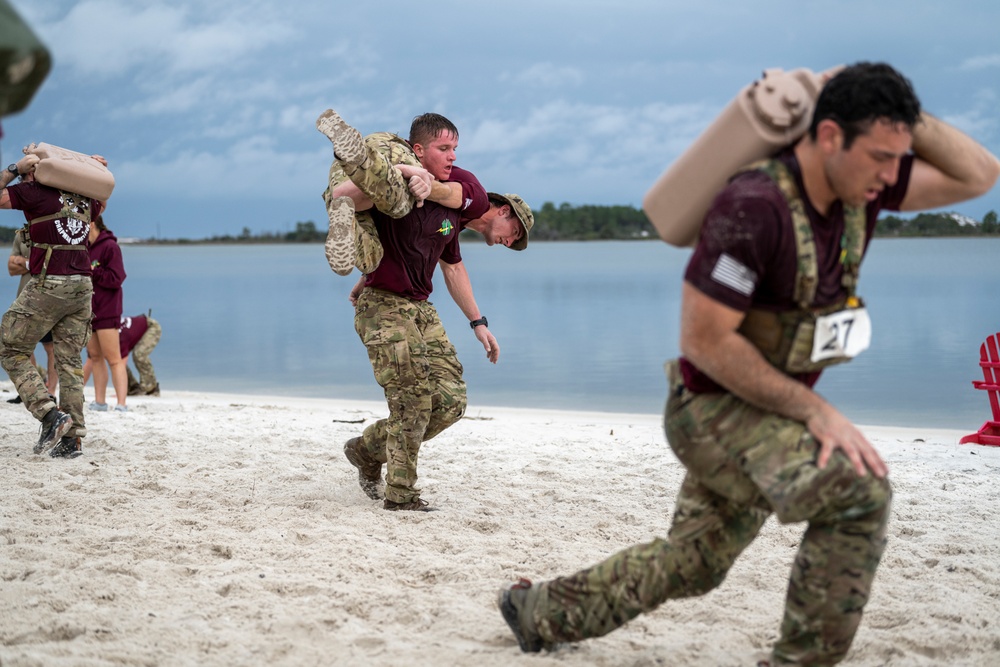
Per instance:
x=210, y=529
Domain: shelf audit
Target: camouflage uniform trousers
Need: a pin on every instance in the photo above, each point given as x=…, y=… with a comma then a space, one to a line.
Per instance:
x=743, y=464
x=60, y=304
x=383, y=184
x=418, y=368
x=140, y=355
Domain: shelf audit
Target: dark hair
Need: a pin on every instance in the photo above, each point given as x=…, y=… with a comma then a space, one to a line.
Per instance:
x=864, y=93
x=99, y=223
x=426, y=127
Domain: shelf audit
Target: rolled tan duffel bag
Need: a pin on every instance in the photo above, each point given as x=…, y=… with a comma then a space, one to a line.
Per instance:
x=75, y=172
x=766, y=115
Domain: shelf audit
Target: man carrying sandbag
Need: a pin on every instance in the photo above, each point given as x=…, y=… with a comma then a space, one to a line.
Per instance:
x=769, y=299
x=56, y=299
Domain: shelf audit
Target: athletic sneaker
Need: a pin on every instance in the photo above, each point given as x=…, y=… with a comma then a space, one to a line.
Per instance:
x=369, y=471
x=340, y=244
x=348, y=144
x=415, y=505
x=98, y=407
x=121, y=408
x=54, y=426
x=69, y=447
x=512, y=602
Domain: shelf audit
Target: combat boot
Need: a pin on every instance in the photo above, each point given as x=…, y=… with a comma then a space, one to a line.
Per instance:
x=348, y=144
x=369, y=471
x=415, y=505
x=340, y=239
x=54, y=426
x=69, y=447
x=516, y=603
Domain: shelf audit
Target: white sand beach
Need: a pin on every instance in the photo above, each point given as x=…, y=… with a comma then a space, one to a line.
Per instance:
x=221, y=530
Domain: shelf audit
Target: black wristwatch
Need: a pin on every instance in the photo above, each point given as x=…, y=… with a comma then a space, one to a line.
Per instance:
x=13, y=169
x=476, y=323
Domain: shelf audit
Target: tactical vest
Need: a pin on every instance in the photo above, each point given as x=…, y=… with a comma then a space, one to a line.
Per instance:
x=74, y=207
x=786, y=339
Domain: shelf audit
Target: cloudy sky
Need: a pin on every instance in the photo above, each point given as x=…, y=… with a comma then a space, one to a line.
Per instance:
x=206, y=110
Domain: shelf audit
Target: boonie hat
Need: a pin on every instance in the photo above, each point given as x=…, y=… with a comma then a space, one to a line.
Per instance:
x=523, y=213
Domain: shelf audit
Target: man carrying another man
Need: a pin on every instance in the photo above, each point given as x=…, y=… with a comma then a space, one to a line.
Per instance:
x=410, y=353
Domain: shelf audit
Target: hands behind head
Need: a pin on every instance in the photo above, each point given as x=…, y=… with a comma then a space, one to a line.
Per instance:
x=27, y=163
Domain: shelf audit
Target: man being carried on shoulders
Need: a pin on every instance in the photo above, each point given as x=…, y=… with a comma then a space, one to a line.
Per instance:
x=402, y=174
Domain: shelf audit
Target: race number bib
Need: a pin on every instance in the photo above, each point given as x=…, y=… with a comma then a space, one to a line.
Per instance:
x=846, y=333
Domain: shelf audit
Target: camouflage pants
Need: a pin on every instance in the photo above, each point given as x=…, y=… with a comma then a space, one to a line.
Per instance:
x=61, y=305
x=383, y=184
x=743, y=464
x=140, y=355
x=417, y=367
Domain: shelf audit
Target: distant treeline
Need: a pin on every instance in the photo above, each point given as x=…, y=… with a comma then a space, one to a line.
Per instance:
x=938, y=224
x=590, y=223
x=565, y=223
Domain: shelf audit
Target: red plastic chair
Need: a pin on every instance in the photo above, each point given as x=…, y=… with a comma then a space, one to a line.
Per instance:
x=989, y=354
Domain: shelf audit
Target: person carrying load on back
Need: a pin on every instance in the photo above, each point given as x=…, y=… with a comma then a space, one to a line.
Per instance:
x=56, y=298
x=769, y=299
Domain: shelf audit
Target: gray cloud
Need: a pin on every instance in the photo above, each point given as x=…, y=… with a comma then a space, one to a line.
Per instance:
x=586, y=102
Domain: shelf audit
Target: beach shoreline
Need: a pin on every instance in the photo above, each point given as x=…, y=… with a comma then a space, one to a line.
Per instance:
x=222, y=529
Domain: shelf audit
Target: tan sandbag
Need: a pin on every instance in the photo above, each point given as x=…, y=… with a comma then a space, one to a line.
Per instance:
x=765, y=116
x=71, y=171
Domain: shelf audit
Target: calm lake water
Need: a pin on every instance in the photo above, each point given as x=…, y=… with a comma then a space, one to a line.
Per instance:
x=582, y=326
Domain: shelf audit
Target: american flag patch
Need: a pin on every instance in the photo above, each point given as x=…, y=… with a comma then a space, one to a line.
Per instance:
x=730, y=272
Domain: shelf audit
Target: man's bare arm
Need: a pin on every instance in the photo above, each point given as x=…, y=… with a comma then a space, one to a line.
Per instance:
x=456, y=278
x=448, y=194
x=17, y=265
x=348, y=189
x=950, y=166
x=709, y=339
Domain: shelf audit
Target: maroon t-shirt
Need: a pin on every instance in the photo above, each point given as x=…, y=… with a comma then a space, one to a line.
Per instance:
x=107, y=273
x=37, y=200
x=415, y=243
x=130, y=331
x=746, y=256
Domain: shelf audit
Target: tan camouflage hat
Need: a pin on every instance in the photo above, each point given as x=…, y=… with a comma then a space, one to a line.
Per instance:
x=523, y=213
